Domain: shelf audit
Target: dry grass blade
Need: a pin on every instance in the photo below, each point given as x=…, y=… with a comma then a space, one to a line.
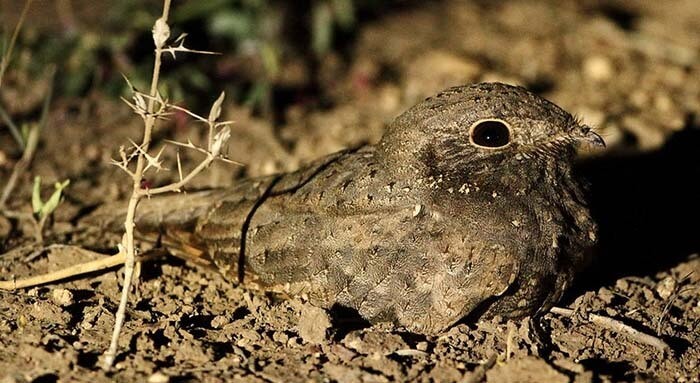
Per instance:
x=30, y=147
x=678, y=291
x=619, y=327
x=7, y=54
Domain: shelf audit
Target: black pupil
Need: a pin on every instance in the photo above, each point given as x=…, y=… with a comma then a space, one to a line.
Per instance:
x=492, y=134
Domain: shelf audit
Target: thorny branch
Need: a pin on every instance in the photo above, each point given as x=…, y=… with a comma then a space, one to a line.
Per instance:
x=152, y=107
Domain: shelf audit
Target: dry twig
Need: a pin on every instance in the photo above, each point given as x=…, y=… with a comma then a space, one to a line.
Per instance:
x=5, y=61
x=103, y=263
x=619, y=327
x=152, y=107
x=676, y=293
x=20, y=167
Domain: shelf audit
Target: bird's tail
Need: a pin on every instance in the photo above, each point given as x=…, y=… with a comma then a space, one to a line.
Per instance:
x=169, y=220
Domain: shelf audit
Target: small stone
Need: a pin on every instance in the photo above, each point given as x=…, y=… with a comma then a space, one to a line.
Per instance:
x=313, y=324
x=187, y=309
x=598, y=68
x=527, y=369
x=605, y=295
x=622, y=285
x=5, y=227
x=251, y=335
x=62, y=297
x=158, y=377
x=641, y=364
x=370, y=342
x=280, y=337
x=417, y=209
x=293, y=342
x=666, y=287
x=219, y=321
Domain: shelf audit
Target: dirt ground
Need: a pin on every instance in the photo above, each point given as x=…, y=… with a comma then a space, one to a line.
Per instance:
x=630, y=68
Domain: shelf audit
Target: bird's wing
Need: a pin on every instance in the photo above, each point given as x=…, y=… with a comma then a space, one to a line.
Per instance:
x=224, y=232
x=352, y=237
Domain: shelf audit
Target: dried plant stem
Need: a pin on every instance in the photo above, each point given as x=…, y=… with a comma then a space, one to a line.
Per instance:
x=177, y=186
x=14, y=130
x=103, y=263
x=82, y=268
x=5, y=62
x=128, y=240
x=29, y=149
x=619, y=327
x=20, y=167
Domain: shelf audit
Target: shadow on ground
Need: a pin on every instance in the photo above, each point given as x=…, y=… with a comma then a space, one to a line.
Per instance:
x=648, y=209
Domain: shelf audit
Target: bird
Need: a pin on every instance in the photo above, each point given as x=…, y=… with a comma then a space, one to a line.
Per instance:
x=468, y=206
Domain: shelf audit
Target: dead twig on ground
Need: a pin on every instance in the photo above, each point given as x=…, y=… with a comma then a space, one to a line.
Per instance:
x=676, y=293
x=103, y=263
x=619, y=327
x=19, y=168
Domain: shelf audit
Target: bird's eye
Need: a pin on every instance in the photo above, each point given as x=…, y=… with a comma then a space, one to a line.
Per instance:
x=492, y=134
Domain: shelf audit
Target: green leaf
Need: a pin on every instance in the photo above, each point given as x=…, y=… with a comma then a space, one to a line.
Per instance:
x=270, y=60
x=344, y=11
x=321, y=28
x=198, y=9
x=24, y=130
x=53, y=201
x=36, y=195
x=232, y=24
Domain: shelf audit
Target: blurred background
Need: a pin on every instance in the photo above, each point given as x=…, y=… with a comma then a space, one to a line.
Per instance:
x=335, y=71
x=307, y=78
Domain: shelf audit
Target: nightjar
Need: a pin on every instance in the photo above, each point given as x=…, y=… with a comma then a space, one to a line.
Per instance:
x=467, y=206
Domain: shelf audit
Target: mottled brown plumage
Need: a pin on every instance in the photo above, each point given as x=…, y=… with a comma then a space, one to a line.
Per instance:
x=467, y=205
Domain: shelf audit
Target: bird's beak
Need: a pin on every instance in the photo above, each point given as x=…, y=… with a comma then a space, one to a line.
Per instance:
x=591, y=137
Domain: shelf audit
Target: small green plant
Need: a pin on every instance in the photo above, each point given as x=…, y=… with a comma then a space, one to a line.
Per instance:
x=27, y=139
x=43, y=209
x=326, y=15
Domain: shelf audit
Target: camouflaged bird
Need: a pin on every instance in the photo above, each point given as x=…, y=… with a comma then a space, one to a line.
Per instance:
x=467, y=205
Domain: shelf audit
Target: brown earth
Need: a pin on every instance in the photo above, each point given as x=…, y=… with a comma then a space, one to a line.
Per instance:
x=631, y=68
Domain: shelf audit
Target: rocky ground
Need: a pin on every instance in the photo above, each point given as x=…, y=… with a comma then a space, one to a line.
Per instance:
x=630, y=68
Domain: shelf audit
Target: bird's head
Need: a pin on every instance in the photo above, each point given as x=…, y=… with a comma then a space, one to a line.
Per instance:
x=467, y=130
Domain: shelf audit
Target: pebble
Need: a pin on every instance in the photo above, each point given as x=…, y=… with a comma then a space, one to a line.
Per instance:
x=219, y=321
x=666, y=287
x=598, y=68
x=158, y=377
x=313, y=324
x=5, y=227
x=280, y=337
x=62, y=297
